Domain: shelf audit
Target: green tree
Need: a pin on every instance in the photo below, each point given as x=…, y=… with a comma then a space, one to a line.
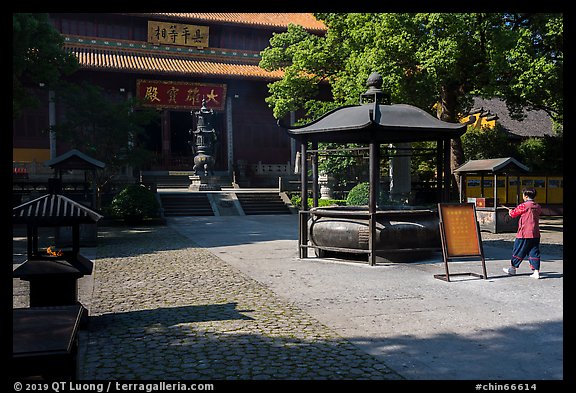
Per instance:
x=536, y=154
x=37, y=57
x=486, y=142
x=532, y=152
x=106, y=128
x=435, y=61
x=528, y=63
x=346, y=166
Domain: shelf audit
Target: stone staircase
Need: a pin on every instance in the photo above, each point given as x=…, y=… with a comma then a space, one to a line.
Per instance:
x=186, y=204
x=178, y=179
x=228, y=202
x=262, y=203
x=165, y=180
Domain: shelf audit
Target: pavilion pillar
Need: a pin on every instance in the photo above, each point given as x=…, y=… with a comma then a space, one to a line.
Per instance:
x=166, y=149
x=303, y=225
x=52, y=123
x=314, y=162
x=447, y=171
x=495, y=207
x=374, y=173
x=229, y=135
x=439, y=169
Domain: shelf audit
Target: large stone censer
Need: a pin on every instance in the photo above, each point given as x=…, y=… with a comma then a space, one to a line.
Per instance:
x=405, y=235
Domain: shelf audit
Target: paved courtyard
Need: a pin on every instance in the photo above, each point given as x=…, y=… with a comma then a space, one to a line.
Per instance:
x=227, y=298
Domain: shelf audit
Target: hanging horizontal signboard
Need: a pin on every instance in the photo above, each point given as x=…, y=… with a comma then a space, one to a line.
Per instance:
x=163, y=33
x=181, y=95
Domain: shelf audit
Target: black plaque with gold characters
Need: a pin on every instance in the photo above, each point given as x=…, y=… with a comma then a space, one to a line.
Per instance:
x=460, y=235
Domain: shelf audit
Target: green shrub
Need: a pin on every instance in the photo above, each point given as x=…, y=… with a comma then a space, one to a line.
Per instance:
x=296, y=200
x=359, y=195
x=328, y=202
x=135, y=202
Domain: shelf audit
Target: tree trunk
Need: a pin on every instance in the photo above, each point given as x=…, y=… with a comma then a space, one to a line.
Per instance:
x=448, y=106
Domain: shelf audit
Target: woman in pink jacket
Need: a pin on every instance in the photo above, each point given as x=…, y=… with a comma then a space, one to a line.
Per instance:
x=527, y=241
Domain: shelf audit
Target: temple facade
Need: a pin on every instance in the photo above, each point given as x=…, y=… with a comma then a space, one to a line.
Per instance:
x=174, y=62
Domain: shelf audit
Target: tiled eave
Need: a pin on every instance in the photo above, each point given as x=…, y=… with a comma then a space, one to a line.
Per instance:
x=211, y=53
x=54, y=209
x=138, y=60
x=268, y=20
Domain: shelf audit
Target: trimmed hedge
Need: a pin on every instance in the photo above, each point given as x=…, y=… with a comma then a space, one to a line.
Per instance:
x=296, y=200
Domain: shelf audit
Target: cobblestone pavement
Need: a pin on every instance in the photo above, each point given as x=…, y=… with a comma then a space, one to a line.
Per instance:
x=164, y=309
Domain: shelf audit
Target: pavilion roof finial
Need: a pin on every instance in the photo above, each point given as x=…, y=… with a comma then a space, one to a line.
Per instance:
x=375, y=92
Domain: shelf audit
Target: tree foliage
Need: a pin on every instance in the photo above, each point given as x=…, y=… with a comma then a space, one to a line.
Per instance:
x=435, y=61
x=536, y=153
x=105, y=127
x=529, y=63
x=37, y=57
x=135, y=202
x=484, y=143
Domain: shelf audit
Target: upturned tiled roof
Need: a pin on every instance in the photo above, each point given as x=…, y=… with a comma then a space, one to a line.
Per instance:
x=492, y=165
x=54, y=209
x=257, y=19
x=75, y=158
x=142, y=57
x=536, y=123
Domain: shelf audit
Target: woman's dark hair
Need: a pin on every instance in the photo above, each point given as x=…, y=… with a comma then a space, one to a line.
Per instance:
x=529, y=192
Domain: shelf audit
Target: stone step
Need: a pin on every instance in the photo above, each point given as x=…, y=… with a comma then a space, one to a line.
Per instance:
x=198, y=203
x=178, y=179
x=262, y=203
x=186, y=204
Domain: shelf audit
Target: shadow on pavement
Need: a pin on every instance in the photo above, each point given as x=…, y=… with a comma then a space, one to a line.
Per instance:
x=181, y=343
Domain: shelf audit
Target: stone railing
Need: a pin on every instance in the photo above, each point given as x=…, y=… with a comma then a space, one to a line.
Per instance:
x=271, y=169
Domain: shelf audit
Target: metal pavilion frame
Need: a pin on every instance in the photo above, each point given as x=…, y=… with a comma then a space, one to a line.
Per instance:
x=386, y=124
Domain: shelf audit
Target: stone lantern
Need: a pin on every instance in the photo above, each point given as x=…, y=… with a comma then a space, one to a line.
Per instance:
x=326, y=183
x=203, y=141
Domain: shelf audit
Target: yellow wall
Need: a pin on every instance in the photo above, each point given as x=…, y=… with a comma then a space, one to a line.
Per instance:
x=549, y=189
x=29, y=155
x=555, y=189
x=473, y=188
x=480, y=122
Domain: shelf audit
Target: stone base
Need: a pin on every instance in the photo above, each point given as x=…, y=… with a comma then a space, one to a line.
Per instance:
x=203, y=183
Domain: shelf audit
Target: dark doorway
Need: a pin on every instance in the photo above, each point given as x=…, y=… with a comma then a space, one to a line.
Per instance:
x=181, y=122
x=151, y=140
x=180, y=125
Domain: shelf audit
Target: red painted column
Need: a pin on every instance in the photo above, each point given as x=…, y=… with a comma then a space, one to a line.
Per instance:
x=166, y=148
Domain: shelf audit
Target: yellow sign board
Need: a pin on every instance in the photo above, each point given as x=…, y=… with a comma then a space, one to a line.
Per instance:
x=166, y=33
x=460, y=235
x=460, y=229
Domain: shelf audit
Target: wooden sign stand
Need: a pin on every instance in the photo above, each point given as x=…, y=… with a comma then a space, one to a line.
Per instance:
x=460, y=235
